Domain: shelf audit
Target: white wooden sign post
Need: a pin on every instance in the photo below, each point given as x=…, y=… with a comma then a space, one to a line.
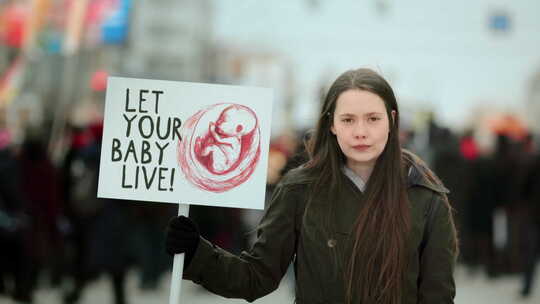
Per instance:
x=166, y=141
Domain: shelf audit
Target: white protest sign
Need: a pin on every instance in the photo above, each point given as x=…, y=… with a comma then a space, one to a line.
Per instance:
x=193, y=143
x=188, y=143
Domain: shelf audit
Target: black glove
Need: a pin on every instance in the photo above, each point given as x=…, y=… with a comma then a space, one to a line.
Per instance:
x=182, y=237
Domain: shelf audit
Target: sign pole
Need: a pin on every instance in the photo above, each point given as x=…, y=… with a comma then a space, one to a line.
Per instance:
x=178, y=265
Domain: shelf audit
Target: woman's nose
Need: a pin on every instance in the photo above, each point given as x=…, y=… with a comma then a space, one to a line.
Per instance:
x=360, y=130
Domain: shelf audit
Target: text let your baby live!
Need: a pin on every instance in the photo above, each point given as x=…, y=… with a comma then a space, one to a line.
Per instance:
x=157, y=133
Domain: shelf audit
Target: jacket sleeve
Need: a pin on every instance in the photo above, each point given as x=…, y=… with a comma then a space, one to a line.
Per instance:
x=436, y=282
x=256, y=273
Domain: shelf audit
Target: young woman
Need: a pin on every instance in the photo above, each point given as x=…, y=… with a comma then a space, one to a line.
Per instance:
x=363, y=220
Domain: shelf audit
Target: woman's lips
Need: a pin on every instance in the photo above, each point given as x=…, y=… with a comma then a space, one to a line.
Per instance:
x=361, y=147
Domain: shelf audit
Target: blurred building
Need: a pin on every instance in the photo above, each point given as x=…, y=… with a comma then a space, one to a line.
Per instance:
x=252, y=66
x=170, y=40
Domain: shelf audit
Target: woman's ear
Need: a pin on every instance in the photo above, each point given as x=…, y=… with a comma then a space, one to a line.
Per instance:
x=393, y=113
x=332, y=129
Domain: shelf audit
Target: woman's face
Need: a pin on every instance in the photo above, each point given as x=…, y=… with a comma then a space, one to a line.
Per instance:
x=361, y=126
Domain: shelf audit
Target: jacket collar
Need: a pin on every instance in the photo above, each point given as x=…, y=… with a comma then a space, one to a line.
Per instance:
x=417, y=176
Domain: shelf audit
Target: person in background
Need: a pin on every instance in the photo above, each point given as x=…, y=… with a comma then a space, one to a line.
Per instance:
x=531, y=232
x=15, y=264
x=99, y=224
x=41, y=188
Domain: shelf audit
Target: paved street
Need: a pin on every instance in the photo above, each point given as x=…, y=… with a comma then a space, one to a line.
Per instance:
x=470, y=290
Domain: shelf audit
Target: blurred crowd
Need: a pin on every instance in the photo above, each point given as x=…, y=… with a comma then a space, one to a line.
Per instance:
x=55, y=232
x=496, y=196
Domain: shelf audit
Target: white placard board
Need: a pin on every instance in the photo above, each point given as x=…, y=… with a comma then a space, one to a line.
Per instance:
x=182, y=142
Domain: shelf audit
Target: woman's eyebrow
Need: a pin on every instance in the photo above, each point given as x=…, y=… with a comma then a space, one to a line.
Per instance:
x=373, y=113
x=366, y=114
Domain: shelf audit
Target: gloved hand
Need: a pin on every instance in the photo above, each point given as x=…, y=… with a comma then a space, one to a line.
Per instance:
x=182, y=237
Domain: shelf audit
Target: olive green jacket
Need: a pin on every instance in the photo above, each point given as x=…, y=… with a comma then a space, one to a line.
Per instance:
x=290, y=232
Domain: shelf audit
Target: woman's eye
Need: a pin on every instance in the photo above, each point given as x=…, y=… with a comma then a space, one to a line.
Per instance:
x=373, y=119
x=347, y=120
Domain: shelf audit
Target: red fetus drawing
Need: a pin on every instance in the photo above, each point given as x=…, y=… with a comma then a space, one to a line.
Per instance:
x=223, y=144
x=220, y=147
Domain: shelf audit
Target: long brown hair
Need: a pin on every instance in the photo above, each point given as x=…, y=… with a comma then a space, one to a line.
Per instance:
x=378, y=261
